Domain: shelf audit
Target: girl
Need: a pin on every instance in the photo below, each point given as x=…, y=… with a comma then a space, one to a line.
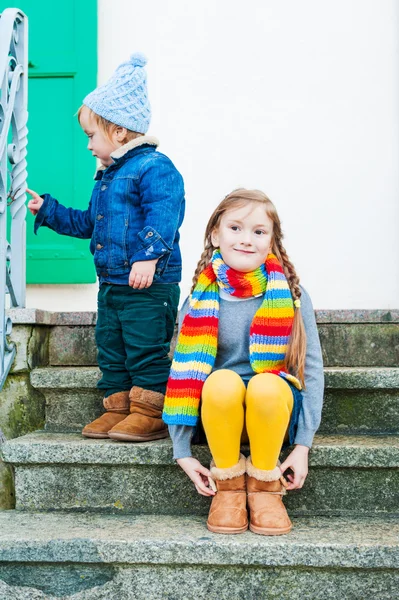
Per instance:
x=248, y=358
x=133, y=220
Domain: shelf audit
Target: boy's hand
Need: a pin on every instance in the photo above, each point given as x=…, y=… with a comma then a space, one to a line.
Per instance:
x=198, y=474
x=297, y=460
x=35, y=204
x=142, y=274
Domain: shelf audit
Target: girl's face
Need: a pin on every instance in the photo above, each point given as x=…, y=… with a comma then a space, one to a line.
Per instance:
x=99, y=144
x=244, y=237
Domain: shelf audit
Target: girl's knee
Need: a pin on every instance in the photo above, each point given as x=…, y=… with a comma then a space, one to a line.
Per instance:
x=267, y=384
x=222, y=389
x=268, y=393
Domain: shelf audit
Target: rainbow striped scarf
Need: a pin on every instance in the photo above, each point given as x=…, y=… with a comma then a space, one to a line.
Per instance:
x=197, y=343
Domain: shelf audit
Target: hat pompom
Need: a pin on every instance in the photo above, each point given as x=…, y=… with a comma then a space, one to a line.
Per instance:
x=138, y=60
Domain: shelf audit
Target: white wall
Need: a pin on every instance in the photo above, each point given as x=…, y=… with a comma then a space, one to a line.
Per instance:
x=299, y=99
x=60, y=298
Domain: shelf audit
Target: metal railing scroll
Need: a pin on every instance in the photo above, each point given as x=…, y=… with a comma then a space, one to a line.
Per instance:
x=13, y=141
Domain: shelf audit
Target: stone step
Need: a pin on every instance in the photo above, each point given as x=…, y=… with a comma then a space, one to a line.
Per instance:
x=357, y=400
x=359, y=344
x=361, y=401
x=348, y=338
x=126, y=557
x=348, y=475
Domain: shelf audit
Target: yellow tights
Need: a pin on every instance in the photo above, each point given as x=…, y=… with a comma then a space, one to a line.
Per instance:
x=229, y=411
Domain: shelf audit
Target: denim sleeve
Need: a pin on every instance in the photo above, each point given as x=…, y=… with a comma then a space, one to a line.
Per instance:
x=66, y=221
x=312, y=403
x=162, y=202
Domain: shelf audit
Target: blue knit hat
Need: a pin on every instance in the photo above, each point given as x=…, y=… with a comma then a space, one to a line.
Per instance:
x=123, y=100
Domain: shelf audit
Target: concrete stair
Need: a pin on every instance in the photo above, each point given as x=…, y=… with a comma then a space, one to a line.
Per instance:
x=91, y=557
x=357, y=399
x=368, y=338
x=349, y=475
x=99, y=519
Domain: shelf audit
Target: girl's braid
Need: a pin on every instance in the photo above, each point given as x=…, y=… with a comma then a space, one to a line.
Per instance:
x=290, y=273
x=203, y=262
x=296, y=351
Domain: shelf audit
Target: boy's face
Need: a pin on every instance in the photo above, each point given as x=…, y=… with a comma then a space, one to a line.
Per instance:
x=244, y=237
x=99, y=144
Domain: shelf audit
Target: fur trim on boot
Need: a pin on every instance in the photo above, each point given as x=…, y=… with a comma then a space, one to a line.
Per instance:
x=268, y=515
x=145, y=420
x=228, y=511
x=229, y=473
x=260, y=474
x=117, y=407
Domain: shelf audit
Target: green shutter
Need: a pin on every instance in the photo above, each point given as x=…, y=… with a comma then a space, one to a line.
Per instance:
x=62, y=70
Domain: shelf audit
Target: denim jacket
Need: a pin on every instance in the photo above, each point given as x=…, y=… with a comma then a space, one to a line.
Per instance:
x=136, y=209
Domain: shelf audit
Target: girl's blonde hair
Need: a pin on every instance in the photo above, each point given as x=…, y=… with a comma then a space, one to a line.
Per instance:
x=107, y=127
x=296, y=351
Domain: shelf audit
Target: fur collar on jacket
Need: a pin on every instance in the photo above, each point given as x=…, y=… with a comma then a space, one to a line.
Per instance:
x=138, y=141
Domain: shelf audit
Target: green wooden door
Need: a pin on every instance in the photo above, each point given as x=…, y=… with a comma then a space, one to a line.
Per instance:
x=62, y=70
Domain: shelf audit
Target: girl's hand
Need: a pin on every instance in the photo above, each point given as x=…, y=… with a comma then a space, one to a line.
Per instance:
x=197, y=473
x=142, y=274
x=35, y=204
x=298, y=461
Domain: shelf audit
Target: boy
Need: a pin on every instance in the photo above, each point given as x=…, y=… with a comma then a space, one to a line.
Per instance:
x=133, y=220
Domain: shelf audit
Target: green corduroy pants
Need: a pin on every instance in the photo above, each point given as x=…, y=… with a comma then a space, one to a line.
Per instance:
x=133, y=334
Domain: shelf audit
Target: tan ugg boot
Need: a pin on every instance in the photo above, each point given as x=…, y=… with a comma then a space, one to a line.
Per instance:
x=268, y=515
x=117, y=407
x=228, y=512
x=145, y=420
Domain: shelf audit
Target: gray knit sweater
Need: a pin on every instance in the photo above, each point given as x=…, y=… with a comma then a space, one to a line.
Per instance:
x=235, y=318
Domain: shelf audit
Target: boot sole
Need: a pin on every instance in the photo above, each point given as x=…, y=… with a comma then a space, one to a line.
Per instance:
x=98, y=436
x=145, y=437
x=226, y=530
x=269, y=531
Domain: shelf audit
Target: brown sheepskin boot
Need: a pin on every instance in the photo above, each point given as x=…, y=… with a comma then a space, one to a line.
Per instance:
x=228, y=512
x=145, y=420
x=268, y=515
x=117, y=407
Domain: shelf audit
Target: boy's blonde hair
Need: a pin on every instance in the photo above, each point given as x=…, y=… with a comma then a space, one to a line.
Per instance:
x=296, y=351
x=107, y=127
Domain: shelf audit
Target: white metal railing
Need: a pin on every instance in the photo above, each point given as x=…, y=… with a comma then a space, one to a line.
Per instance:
x=13, y=141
